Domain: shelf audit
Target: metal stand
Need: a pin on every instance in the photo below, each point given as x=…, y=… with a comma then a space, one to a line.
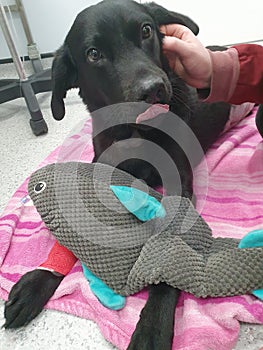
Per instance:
x=26, y=87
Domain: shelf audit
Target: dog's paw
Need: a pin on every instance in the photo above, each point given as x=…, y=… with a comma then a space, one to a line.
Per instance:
x=148, y=337
x=28, y=297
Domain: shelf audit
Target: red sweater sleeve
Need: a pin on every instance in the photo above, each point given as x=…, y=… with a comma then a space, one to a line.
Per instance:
x=60, y=259
x=249, y=86
x=237, y=75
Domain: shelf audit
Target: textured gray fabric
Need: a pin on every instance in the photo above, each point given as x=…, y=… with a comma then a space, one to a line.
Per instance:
x=82, y=212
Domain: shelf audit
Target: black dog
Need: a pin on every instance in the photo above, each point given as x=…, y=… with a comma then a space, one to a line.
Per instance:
x=113, y=54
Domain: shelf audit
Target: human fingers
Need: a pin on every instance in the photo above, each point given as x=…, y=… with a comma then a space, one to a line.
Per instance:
x=178, y=31
x=176, y=46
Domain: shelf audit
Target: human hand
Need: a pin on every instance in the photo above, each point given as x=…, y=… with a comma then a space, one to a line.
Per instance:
x=187, y=56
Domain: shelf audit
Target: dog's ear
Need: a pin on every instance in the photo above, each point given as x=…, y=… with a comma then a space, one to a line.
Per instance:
x=163, y=16
x=64, y=76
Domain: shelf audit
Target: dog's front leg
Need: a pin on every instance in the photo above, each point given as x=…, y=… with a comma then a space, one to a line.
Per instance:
x=155, y=328
x=183, y=187
x=28, y=297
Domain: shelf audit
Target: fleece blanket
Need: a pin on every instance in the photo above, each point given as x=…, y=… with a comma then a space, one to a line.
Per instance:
x=229, y=197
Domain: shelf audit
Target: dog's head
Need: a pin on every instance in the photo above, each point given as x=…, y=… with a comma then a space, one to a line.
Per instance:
x=112, y=53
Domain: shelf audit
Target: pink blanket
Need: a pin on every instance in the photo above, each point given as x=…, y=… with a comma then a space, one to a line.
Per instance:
x=231, y=203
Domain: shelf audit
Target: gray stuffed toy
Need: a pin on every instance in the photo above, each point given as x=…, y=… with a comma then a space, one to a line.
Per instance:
x=130, y=236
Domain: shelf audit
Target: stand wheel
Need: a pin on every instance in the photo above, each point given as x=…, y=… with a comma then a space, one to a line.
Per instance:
x=39, y=127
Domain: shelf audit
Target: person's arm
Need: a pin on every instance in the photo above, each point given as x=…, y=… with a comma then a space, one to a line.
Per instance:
x=249, y=86
x=224, y=76
x=234, y=75
x=237, y=75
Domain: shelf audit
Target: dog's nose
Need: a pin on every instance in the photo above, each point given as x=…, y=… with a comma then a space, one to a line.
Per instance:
x=152, y=91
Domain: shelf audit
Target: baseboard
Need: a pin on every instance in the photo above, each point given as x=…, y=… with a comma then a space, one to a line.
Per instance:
x=258, y=41
x=26, y=58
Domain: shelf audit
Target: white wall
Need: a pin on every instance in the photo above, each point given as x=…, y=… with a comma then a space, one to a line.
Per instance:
x=221, y=22
x=49, y=21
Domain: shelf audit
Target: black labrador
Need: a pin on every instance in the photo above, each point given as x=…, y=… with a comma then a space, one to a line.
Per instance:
x=113, y=54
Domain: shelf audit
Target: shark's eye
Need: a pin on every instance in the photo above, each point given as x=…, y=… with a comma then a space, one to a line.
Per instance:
x=40, y=187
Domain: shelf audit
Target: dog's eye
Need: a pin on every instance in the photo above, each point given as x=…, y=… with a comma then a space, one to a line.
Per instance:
x=40, y=187
x=93, y=55
x=146, y=31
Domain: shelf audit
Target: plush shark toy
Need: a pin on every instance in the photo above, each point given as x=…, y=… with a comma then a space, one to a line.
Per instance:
x=129, y=236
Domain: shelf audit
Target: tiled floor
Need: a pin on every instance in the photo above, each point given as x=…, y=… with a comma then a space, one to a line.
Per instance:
x=20, y=153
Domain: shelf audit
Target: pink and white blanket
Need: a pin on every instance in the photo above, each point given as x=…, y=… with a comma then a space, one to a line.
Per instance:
x=231, y=202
